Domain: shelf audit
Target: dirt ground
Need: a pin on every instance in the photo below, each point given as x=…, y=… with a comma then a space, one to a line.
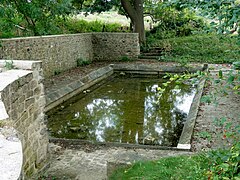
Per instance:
x=217, y=121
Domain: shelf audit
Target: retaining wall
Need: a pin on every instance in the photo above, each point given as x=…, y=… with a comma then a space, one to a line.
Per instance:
x=61, y=52
x=22, y=103
x=114, y=46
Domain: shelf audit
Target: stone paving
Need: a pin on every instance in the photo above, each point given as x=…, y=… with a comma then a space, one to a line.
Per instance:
x=89, y=163
x=81, y=165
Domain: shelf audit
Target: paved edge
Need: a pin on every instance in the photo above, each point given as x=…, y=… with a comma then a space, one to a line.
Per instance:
x=61, y=95
x=187, y=132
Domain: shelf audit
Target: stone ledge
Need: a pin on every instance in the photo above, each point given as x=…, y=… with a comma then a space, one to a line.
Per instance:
x=58, y=96
x=187, y=132
x=184, y=146
x=10, y=76
x=158, y=68
x=21, y=64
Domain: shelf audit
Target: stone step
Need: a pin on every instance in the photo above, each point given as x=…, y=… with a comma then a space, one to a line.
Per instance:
x=153, y=50
x=156, y=48
x=151, y=54
x=148, y=57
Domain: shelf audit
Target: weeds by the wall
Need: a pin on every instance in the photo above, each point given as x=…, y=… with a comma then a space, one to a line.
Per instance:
x=125, y=59
x=9, y=65
x=83, y=62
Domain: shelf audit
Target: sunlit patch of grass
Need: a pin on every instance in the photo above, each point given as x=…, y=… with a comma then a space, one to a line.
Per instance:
x=180, y=167
x=202, y=48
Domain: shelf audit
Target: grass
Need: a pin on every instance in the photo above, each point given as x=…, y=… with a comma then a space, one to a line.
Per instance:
x=176, y=168
x=200, y=48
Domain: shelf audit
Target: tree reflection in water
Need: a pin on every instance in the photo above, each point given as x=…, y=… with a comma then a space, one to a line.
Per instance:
x=126, y=110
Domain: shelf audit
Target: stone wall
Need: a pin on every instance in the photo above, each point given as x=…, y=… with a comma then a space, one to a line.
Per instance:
x=22, y=95
x=58, y=53
x=114, y=46
x=61, y=52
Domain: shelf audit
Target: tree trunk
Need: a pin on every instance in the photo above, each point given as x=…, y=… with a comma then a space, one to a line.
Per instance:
x=138, y=27
x=134, y=9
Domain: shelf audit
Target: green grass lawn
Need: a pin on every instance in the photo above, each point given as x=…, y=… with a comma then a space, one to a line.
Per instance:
x=177, y=168
x=200, y=48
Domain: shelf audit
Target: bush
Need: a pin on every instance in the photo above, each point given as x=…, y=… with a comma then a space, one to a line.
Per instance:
x=82, y=26
x=224, y=164
x=174, y=23
x=61, y=26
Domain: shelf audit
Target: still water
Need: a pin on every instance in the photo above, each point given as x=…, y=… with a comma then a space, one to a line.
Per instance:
x=125, y=110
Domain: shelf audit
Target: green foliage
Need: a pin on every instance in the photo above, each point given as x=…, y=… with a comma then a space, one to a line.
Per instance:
x=57, y=72
x=172, y=23
x=178, y=79
x=35, y=17
x=207, y=99
x=180, y=167
x=125, y=59
x=212, y=165
x=99, y=6
x=225, y=12
x=72, y=25
x=224, y=164
x=9, y=65
x=200, y=48
x=205, y=135
x=83, y=62
x=236, y=65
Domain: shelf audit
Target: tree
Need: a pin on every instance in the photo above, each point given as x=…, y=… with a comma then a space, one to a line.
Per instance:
x=37, y=16
x=134, y=9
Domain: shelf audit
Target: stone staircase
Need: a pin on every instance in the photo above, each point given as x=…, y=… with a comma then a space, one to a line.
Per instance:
x=152, y=54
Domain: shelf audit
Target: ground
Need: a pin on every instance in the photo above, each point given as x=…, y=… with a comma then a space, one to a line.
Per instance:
x=95, y=162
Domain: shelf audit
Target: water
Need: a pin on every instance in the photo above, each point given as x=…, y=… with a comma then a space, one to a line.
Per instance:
x=125, y=110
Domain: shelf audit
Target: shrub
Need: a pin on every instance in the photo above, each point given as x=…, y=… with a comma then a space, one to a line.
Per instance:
x=224, y=164
x=176, y=23
x=9, y=65
x=80, y=26
x=83, y=62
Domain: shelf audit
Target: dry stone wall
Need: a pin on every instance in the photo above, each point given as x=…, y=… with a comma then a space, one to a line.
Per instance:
x=22, y=94
x=58, y=53
x=61, y=52
x=114, y=46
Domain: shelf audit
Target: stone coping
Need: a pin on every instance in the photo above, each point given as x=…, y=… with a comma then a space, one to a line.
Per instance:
x=63, y=35
x=47, y=36
x=10, y=76
x=158, y=68
x=20, y=64
x=56, y=97
x=187, y=132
